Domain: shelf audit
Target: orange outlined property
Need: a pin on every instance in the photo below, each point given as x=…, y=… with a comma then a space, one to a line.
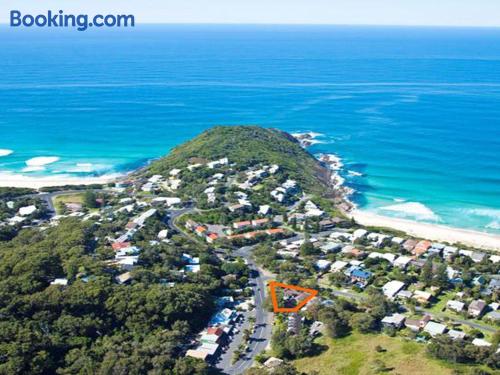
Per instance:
x=272, y=289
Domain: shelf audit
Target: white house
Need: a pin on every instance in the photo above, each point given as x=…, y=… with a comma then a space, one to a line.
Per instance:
x=391, y=288
x=27, y=210
x=434, y=328
x=455, y=305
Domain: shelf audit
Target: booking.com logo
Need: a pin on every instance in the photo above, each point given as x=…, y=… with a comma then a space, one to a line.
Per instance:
x=81, y=21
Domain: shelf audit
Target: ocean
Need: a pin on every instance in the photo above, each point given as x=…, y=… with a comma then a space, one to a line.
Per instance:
x=414, y=113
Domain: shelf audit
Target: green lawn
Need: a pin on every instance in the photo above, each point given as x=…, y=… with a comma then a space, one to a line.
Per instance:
x=356, y=355
x=67, y=198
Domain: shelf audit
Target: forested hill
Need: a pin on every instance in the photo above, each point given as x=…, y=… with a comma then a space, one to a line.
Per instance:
x=247, y=146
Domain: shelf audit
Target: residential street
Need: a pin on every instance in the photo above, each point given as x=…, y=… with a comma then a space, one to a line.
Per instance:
x=263, y=323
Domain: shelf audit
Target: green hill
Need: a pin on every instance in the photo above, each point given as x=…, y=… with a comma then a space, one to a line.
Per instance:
x=247, y=146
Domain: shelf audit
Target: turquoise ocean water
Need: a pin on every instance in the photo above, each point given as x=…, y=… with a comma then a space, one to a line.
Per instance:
x=413, y=112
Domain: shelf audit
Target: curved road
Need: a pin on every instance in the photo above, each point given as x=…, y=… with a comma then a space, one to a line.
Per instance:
x=261, y=336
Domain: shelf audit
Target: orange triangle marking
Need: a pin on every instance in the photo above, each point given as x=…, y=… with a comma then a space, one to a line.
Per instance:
x=272, y=289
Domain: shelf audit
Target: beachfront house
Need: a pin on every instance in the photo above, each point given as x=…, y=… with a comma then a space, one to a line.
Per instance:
x=421, y=248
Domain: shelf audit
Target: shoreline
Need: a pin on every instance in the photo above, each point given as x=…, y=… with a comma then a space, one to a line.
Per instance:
x=23, y=181
x=434, y=232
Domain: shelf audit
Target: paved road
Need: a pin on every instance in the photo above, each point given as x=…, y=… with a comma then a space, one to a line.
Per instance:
x=48, y=198
x=263, y=322
x=261, y=336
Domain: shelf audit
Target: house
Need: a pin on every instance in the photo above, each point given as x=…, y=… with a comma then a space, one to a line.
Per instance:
x=477, y=256
x=242, y=224
x=326, y=224
x=294, y=323
x=391, y=288
x=421, y=296
x=394, y=320
x=338, y=266
x=476, y=308
x=351, y=250
x=481, y=342
x=200, y=230
x=358, y=234
x=212, y=237
x=479, y=280
x=495, y=258
x=434, y=328
x=361, y=276
x=124, y=278
x=190, y=224
x=456, y=335
x=213, y=335
x=27, y=210
x=316, y=328
x=494, y=316
x=455, y=305
x=417, y=324
x=449, y=251
x=264, y=209
x=434, y=251
x=402, y=261
x=409, y=245
x=404, y=294
x=61, y=281
x=236, y=207
x=120, y=245
x=397, y=240
x=163, y=234
x=494, y=284
x=211, y=350
x=322, y=264
x=274, y=231
x=421, y=248
x=260, y=222
x=330, y=247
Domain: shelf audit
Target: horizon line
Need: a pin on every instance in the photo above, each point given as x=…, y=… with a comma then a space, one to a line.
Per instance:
x=299, y=24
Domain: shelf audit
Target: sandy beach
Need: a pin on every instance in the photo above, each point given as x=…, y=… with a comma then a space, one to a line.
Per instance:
x=432, y=232
x=18, y=180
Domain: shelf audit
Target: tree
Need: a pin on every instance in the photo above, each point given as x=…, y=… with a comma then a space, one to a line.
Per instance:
x=426, y=273
x=89, y=199
x=190, y=366
x=363, y=322
x=336, y=326
x=441, y=276
x=307, y=248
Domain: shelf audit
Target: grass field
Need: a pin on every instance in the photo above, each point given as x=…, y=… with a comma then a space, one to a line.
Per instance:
x=70, y=198
x=356, y=355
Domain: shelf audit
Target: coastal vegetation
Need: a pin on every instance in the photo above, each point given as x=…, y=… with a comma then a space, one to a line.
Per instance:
x=138, y=277
x=247, y=146
x=94, y=325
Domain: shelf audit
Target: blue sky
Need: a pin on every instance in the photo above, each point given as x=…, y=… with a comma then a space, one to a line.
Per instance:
x=375, y=12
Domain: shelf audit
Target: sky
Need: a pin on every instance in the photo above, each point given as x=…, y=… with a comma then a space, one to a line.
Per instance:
x=482, y=13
